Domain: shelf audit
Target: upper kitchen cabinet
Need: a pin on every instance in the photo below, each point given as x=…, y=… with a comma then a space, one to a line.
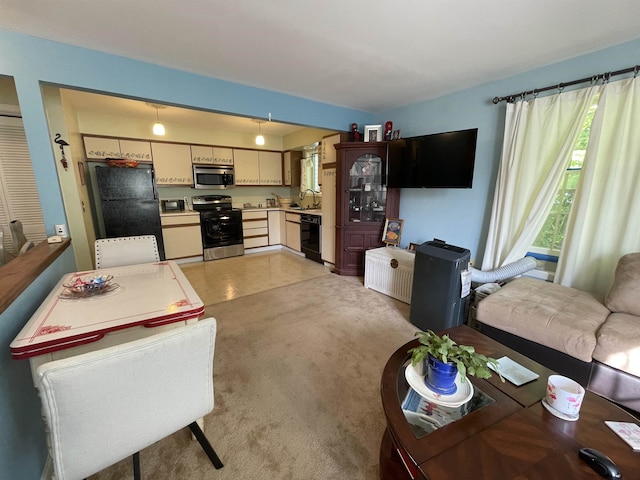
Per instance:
x=291, y=161
x=255, y=167
x=327, y=153
x=363, y=202
x=222, y=156
x=172, y=163
x=100, y=148
x=135, y=150
x=270, y=168
x=206, y=155
x=247, y=167
x=328, y=150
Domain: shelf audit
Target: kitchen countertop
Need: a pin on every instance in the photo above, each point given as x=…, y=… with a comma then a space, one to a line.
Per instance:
x=176, y=214
x=316, y=211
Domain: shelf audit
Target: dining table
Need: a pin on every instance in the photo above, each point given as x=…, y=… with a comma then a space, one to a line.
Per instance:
x=137, y=301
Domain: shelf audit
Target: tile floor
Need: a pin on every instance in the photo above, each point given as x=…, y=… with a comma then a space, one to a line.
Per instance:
x=220, y=280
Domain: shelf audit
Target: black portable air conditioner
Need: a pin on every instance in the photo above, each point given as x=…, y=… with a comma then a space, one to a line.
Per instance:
x=437, y=300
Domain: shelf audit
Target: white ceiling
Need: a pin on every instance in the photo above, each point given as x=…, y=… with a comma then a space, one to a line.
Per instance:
x=363, y=54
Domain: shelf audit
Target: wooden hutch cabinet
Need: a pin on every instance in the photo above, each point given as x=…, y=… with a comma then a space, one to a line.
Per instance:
x=363, y=202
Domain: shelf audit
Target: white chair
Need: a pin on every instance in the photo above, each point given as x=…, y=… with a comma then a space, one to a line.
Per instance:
x=102, y=406
x=115, y=252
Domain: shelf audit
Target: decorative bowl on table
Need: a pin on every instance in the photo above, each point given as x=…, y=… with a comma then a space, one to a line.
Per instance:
x=86, y=287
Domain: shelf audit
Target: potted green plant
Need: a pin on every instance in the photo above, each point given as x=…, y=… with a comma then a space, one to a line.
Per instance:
x=439, y=359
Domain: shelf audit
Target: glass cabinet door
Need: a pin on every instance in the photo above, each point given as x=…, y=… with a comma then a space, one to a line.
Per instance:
x=367, y=193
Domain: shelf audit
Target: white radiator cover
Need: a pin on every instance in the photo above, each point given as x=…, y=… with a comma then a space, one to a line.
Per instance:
x=389, y=270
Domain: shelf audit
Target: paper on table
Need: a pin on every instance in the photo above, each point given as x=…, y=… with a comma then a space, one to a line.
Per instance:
x=514, y=372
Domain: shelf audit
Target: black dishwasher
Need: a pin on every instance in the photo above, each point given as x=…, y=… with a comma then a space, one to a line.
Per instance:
x=310, y=236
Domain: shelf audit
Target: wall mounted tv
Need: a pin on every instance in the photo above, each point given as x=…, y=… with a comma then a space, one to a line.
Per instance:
x=441, y=160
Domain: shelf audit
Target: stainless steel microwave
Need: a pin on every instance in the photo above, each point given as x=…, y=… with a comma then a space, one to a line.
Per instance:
x=218, y=177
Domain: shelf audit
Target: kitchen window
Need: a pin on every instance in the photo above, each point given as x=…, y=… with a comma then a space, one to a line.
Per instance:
x=309, y=172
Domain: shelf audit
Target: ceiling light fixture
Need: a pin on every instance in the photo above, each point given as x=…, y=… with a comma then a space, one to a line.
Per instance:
x=158, y=128
x=259, y=137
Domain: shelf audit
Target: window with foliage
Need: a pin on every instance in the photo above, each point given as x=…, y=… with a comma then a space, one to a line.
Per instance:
x=549, y=240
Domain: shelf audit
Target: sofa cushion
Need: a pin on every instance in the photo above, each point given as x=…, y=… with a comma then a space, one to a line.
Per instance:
x=624, y=295
x=556, y=316
x=619, y=343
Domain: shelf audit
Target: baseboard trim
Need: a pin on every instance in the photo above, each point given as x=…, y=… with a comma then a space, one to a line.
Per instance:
x=47, y=471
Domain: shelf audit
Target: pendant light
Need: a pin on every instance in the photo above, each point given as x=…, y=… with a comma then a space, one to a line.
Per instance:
x=259, y=137
x=158, y=128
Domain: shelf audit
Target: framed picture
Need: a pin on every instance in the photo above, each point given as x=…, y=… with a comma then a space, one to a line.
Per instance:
x=392, y=231
x=412, y=247
x=396, y=135
x=373, y=133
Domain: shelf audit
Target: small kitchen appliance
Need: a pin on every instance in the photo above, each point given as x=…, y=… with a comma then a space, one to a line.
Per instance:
x=175, y=205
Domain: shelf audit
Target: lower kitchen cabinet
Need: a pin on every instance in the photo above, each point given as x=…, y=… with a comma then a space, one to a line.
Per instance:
x=181, y=236
x=255, y=228
x=293, y=231
x=277, y=227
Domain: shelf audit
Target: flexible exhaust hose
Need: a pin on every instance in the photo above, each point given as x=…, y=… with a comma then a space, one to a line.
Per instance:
x=507, y=271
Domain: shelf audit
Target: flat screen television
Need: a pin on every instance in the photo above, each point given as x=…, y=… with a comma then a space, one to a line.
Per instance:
x=441, y=160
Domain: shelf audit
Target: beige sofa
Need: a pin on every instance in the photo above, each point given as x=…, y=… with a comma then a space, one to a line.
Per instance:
x=572, y=332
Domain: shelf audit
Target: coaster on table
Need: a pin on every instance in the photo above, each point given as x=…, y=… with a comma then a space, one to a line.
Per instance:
x=627, y=431
x=558, y=413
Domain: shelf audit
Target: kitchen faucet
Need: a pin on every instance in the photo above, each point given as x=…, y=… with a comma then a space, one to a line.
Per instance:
x=316, y=204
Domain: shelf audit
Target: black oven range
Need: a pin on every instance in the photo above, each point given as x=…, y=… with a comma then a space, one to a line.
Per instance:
x=221, y=226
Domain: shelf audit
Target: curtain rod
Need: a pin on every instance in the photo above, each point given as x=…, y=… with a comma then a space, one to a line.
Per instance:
x=560, y=86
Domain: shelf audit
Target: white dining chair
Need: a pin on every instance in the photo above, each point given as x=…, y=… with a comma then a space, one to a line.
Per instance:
x=103, y=406
x=115, y=252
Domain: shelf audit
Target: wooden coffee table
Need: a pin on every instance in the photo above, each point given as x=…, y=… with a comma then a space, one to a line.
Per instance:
x=512, y=438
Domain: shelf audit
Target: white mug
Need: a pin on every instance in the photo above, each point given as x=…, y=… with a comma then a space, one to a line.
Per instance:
x=564, y=395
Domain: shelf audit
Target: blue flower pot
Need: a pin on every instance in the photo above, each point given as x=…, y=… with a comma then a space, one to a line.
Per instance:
x=441, y=377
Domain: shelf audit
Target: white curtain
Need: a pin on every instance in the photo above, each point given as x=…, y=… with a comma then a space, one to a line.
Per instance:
x=605, y=218
x=540, y=136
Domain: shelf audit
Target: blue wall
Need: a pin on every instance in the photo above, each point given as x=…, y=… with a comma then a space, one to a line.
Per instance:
x=458, y=216
x=461, y=217
x=22, y=441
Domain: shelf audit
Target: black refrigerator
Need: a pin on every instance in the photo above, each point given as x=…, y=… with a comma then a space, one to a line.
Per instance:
x=129, y=203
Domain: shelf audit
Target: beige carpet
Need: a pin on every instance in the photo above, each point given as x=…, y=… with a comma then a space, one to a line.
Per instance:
x=297, y=387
